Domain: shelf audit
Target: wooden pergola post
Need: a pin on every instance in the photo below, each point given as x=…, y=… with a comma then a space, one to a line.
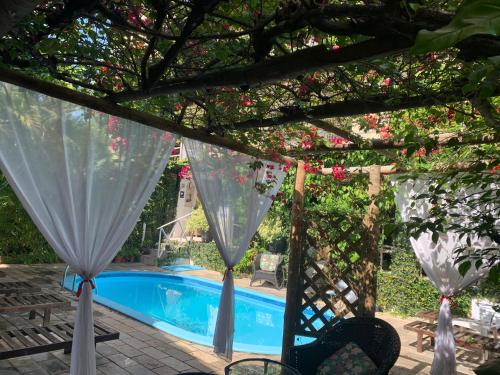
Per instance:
x=293, y=289
x=368, y=280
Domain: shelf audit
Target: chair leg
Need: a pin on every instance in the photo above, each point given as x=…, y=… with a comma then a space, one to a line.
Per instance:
x=46, y=316
x=420, y=337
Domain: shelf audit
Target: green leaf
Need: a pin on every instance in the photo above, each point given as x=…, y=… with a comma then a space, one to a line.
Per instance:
x=464, y=267
x=472, y=17
x=435, y=237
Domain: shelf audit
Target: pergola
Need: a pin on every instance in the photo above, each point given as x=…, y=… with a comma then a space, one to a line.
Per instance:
x=284, y=50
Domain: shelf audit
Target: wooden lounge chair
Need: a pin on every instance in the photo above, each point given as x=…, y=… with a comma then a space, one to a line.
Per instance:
x=10, y=287
x=377, y=338
x=34, y=340
x=32, y=303
x=271, y=273
x=464, y=337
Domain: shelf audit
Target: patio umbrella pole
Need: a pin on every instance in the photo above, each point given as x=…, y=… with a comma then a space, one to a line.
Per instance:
x=293, y=289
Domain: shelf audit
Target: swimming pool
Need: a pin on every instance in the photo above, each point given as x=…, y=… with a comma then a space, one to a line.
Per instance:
x=186, y=306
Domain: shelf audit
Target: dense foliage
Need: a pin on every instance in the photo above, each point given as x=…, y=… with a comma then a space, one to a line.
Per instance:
x=405, y=290
x=20, y=240
x=205, y=254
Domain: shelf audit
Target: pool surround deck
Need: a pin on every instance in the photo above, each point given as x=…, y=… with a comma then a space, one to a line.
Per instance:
x=143, y=350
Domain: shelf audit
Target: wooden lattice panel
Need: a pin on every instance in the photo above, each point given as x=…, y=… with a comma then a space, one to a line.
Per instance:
x=324, y=299
x=329, y=289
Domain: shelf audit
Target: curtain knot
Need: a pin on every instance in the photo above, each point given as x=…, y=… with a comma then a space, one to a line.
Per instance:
x=80, y=286
x=451, y=301
x=228, y=269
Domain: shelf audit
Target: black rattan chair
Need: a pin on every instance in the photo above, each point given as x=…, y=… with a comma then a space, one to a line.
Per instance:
x=377, y=338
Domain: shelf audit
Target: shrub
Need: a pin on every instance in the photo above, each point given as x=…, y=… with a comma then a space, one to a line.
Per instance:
x=20, y=239
x=207, y=255
x=197, y=222
x=404, y=291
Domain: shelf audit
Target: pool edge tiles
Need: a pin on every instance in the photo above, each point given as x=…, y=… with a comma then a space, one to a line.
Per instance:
x=177, y=331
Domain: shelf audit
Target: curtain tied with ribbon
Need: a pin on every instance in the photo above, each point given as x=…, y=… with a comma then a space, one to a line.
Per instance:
x=438, y=262
x=84, y=178
x=236, y=191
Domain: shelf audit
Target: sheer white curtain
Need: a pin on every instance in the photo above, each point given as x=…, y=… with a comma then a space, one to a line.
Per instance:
x=235, y=199
x=438, y=262
x=84, y=178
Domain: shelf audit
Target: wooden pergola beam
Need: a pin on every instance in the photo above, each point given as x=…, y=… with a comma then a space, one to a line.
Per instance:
x=274, y=69
x=347, y=108
x=442, y=140
x=105, y=106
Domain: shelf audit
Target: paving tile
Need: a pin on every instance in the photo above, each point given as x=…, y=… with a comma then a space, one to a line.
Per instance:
x=136, y=343
x=153, y=352
x=122, y=360
x=198, y=365
x=128, y=350
x=111, y=368
x=140, y=370
x=178, y=354
x=5, y=364
x=105, y=349
x=54, y=366
x=175, y=363
x=24, y=364
x=10, y=371
x=165, y=370
x=37, y=372
x=148, y=361
x=42, y=356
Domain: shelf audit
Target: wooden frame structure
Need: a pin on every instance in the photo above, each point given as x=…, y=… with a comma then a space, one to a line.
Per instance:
x=296, y=63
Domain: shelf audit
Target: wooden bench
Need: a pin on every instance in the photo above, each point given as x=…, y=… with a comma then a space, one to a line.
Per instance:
x=33, y=302
x=11, y=287
x=34, y=340
x=464, y=337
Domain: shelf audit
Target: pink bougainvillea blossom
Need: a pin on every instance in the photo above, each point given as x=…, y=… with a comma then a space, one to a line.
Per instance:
x=420, y=152
x=338, y=172
x=338, y=140
x=451, y=114
x=167, y=137
x=336, y=47
x=113, y=122
x=372, y=120
x=240, y=179
x=246, y=101
x=185, y=173
x=117, y=143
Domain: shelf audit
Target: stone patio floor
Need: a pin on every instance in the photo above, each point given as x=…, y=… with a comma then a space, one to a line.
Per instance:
x=143, y=350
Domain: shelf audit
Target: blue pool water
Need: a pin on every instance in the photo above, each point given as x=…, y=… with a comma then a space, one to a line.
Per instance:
x=187, y=306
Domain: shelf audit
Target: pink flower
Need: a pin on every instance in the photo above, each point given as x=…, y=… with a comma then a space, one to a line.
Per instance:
x=166, y=137
x=240, y=179
x=185, y=173
x=387, y=82
x=338, y=172
x=117, y=142
x=246, y=101
x=451, y=114
x=113, y=122
x=372, y=120
x=304, y=90
x=421, y=152
x=336, y=47
x=338, y=140
x=178, y=107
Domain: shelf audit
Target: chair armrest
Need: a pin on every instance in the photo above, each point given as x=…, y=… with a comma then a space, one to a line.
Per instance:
x=256, y=263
